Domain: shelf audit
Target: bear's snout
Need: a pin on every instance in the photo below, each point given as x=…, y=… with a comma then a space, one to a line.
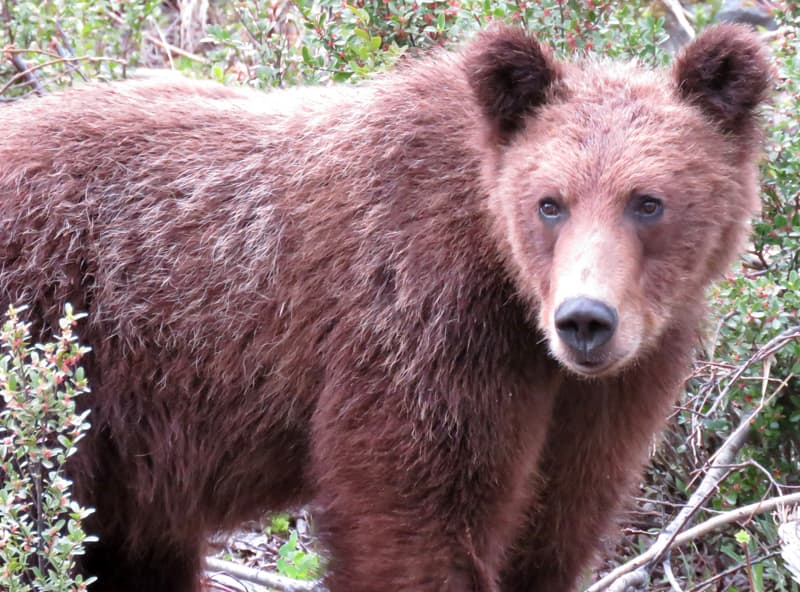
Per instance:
x=585, y=325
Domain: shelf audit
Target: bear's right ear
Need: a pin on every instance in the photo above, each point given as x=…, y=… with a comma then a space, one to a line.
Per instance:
x=509, y=73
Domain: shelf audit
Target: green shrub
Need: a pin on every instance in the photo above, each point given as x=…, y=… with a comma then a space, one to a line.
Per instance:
x=40, y=532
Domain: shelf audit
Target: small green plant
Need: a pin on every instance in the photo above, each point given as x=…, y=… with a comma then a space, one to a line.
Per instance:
x=296, y=562
x=40, y=530
x=278, y=524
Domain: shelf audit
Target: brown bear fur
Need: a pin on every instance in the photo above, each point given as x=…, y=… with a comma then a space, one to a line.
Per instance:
x=345, y=297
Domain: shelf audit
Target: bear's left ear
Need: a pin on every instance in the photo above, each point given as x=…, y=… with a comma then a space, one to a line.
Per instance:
x=725, y=72
x=509, y=73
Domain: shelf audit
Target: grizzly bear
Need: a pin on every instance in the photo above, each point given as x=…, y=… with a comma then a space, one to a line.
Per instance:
x=447, y=309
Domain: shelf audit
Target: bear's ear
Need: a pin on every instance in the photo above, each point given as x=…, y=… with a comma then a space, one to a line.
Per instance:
x=509, y=73
x=725, y=72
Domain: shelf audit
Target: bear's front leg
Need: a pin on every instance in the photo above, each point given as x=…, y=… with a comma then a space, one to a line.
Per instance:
x=598, y=442
x=422, y=493
x=163, y=567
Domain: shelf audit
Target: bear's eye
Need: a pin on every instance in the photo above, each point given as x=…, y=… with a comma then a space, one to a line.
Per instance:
x=549, y=209
x=648, y=207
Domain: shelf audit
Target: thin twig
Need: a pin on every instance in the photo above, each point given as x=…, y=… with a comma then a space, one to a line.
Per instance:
x=759, y=467
x=667, y=565
x=163, y=41
x=67, y=50
x=680, y=15
x=14, y=50
x=731, y=570
x=772, y=346
x=745, y=512
x=22, y=75
x=168, y=47
x=749, y=566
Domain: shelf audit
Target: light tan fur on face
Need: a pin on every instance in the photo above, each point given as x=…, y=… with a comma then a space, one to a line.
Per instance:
x=600, y=263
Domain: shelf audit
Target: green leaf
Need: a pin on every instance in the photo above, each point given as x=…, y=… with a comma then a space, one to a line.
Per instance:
x=758, y=577
x=361, y=15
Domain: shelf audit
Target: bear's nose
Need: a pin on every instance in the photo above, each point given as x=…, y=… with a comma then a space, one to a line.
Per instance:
x=585, y=324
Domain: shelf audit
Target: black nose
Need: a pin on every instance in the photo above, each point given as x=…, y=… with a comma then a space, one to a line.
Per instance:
x=585, y=324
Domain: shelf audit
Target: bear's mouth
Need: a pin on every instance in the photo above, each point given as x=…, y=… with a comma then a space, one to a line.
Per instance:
x=591, y=367
x=594, y=367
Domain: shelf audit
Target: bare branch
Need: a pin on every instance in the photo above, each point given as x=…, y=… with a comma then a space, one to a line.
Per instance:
x=621, y=579
x=745, y=512
x=680, y=16
x=65, y=50
x=731, y=570
x=772, y=346
x=718, y=468
x=163, y=41
x=25, y=72
x=673, y=582
x=262, y=578
x=169, y=48
x=67, y=60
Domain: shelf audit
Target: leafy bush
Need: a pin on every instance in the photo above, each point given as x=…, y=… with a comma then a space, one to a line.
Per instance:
x=321, y=40
x=40, y=532
x=264, y=44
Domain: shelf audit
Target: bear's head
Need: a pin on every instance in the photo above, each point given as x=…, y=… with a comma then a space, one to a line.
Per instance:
x=619, y=192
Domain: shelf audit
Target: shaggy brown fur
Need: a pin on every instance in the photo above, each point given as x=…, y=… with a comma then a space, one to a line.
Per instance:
x=351, y=298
